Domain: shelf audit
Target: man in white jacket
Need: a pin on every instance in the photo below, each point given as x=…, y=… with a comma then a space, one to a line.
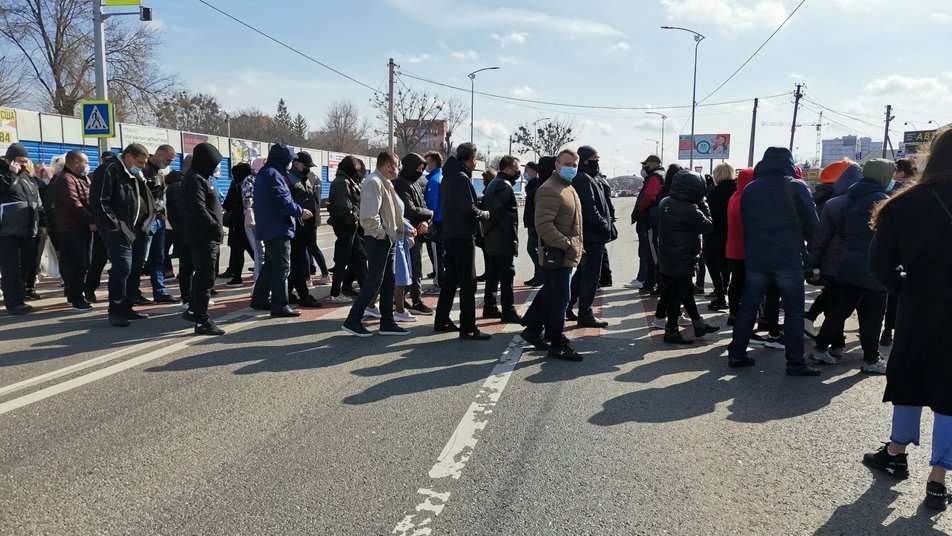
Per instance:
x=381, y=216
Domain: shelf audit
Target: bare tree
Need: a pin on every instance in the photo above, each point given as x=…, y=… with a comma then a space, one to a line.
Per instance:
x=547, y=139
x=193, y=112
x=456, y=112
x=54, y=39
x=343, y=130
x=416, y=116
x=253, y=124
x=11, y=83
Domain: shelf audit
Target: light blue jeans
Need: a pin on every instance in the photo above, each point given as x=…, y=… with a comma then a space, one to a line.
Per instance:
x=905, y=430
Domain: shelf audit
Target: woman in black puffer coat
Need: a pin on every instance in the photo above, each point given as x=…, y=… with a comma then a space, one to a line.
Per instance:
x=684, y=218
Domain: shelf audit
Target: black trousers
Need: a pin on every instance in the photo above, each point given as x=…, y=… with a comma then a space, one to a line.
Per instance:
x=460, y=275
x=680, y=291
x=300, y=266
x=501, y=274
x=75, y=254
x=434, y=246
x=15, y=255
x=415, y=288
x=205, y=259
x=238, y=245
x=892, y=302
x=605, y=278
x=715, y=249
x=97, y=264
x=738, y=280
x=350, y=259
x=870, y=307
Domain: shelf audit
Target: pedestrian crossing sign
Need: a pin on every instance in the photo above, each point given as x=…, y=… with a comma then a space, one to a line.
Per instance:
x=97, y=117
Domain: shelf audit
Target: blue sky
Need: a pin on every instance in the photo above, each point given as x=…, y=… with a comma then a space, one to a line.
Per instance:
x=855, y=57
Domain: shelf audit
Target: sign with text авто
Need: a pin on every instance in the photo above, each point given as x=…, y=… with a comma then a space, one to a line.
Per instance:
x=706, y=146
x=8, y=128
x=98, y=119
x=916, y=141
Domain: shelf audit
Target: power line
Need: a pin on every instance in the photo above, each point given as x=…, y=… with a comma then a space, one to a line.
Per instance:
x=564, y=104
x=841, y=113
x=729, y=78
x=287, y=46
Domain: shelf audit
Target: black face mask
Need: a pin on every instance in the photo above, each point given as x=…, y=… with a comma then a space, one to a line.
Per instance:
x=592, y=165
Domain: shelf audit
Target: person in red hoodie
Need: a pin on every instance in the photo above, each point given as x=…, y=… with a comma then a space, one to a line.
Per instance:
x=735, y=245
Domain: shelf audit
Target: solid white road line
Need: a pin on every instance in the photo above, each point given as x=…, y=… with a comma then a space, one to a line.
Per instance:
x=459, y=449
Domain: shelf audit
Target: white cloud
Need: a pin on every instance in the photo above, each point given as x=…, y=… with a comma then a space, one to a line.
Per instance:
x=493, y=130
x=941, y=18
x=895, y=84
x=621, y=46
x=403, y=57
x=795, y=76
x=464, y=55
x=510, y=60
x=522, y=92
x=596, y=128
x=517, y=38
x=730, y=15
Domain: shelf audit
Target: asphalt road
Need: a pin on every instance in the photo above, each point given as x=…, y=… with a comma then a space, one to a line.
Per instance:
x=292, y=427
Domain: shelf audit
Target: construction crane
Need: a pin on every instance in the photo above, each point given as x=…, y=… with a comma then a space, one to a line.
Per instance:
x=819, y=138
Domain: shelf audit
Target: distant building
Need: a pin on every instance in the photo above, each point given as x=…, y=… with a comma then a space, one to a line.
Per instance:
x=432, y=133
x=852, y=147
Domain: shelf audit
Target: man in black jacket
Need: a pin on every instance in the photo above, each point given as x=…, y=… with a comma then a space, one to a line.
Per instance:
x=343, y=205
x=410, y=190
x=533, y=180
x=203, y=232
x=501, y=241
x=154, y=173
x=19, y=225
x=124, y=210
x=303, y=195
x=461, y=219
x=596, y=232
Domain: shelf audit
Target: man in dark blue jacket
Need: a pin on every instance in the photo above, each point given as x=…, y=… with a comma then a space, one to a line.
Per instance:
x=596, y=232
x=275, y=215
x=779, y=217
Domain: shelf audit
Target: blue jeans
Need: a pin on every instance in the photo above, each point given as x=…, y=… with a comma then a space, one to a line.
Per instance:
x=125, y=259
x=790, y=285
x=380, y=277
x=548, y=308
x=155, y=258
x=905, y=430
x=585, y=281
x=273, y=280
x=532, y=246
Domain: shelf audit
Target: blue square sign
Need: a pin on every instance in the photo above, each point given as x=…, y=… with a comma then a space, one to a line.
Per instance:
x=97, y=117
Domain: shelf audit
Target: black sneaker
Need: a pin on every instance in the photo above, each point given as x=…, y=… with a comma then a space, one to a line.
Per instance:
x=135, y=315
x=894, y=466
x=118, y=320
x=165, y=298
x=475, y=335
x=445, y=327
x=805, y=370
x=421, y=308
x=533, y=283
x=591, y=322
x=32, y=294
x=81, y=305
x=646, y=291
x=189, y=316
x=886, y=339
x=357, y=329
x=141, y=300
x=742, y=362
x=90, y=296
x=491, y=312
x=776, y=342
x=208, y=328
x=21, y=309
x=937, y=497
x=675, y=337
x=534, y=338
x=310, y=301
x=287, y=312
x=570, y=314
x=261, y=306
x=235, y=282
x=717, y=305
x=393, y=330
x=293, y=299
x=702, y=328
x=563, y=351
x=511, y=317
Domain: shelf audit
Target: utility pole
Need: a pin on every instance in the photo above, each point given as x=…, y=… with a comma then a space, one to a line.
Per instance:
x=819, y=140
x=889, y=117
x=510, y=144
x=390, y=109
x=753, y=135
x=102, y=92
x=796, y=108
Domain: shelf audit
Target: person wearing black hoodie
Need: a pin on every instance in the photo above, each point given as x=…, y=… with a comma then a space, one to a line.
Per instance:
x=233, y=208
x=535, y=175
x=20, y=221
x=461, y=217
x=409, y=186
x=203, y=234
x=304, y=233
x=343, y=206
x=501, y=241
x=596, y=232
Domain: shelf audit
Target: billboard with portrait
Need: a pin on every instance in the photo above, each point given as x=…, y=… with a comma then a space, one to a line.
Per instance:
x=705, y=146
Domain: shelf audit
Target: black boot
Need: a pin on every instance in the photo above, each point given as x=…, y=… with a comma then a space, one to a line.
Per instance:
x=675, y=337
x=702, y=328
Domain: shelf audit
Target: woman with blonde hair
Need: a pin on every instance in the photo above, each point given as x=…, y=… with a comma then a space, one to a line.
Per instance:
x=911, y=257
x=715, y=242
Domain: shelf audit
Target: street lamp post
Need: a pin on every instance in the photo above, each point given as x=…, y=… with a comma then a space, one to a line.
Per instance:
x=656, y=142
x=663, y=119
x=534, y=123
x=697, y=41
x=472, y=97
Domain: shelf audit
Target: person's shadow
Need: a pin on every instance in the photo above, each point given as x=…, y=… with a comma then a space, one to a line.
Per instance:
x=867, y=515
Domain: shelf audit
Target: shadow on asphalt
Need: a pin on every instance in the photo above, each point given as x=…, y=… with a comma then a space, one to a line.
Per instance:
x=758, y=394
x=870, y=511
x=612, y=352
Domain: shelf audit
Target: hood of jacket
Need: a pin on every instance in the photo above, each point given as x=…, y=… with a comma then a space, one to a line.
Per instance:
x=850, y=176
x=205, y=159
x=279, y=157
x=776, y=163
x=822, y=193
x=348, y=167
x=688, y=186
x=410, y=163
x=744, y=177
x=546, y=168
x=454, y=166
x=865, y=187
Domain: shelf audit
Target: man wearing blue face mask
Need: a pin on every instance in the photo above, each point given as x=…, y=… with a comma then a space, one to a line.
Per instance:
x=124, y=210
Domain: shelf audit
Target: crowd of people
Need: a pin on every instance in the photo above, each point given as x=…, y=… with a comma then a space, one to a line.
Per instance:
x=873, y=239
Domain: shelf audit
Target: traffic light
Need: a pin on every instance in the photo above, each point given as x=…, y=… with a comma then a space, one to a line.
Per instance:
x=145, y=13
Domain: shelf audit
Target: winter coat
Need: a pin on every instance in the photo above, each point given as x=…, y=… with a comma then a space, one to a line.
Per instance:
x=717, y=200
x=303, y=194
x=596, y=216
x=120, y=202
x=826, y=248
x=502, y=230
x=735, y=222
x=684, y=218
x=558, y=220
x=779, y=215
x=71, y=198
x=21, y=203
x=155, y=180
x=174, y=202
x=274, y=208
x=649, y=197
x=202, y=208
x=915, y=232
x=234, y=205
x=432, y=193
x=528, y=215
x=343, y=202
x=461, y=214
x=853, y=268
x=411, y=193
x=381, y=214
x=821, y=194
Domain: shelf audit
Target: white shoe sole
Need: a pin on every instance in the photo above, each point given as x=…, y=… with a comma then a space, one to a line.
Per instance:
x=356, y=334
x=394, y=333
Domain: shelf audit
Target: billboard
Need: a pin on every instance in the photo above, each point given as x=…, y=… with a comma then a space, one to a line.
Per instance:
x=8, y=128
x=716, y=146
x=190, y=140
x=246, y=151
x=150, y=137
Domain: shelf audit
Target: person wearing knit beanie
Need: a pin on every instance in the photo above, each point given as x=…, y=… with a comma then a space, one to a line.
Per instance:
x=830, y=173
x=880, y=170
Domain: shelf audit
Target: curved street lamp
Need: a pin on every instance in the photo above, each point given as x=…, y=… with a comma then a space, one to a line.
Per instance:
x=663, y=119
x=697, y=41
x=656, y=142
x=472, y=97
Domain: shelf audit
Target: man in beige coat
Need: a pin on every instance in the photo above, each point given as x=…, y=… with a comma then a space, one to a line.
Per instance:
x=558, y=221
x=381, y=216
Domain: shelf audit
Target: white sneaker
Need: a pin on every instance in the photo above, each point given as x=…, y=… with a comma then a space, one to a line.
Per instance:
x=878, y=367
x=658, y=323
x=634, y=285
x=685, y=320
x=372, y=312
x=341, y=299
x=809, y=328
x=405, y=316
x=823, y=357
